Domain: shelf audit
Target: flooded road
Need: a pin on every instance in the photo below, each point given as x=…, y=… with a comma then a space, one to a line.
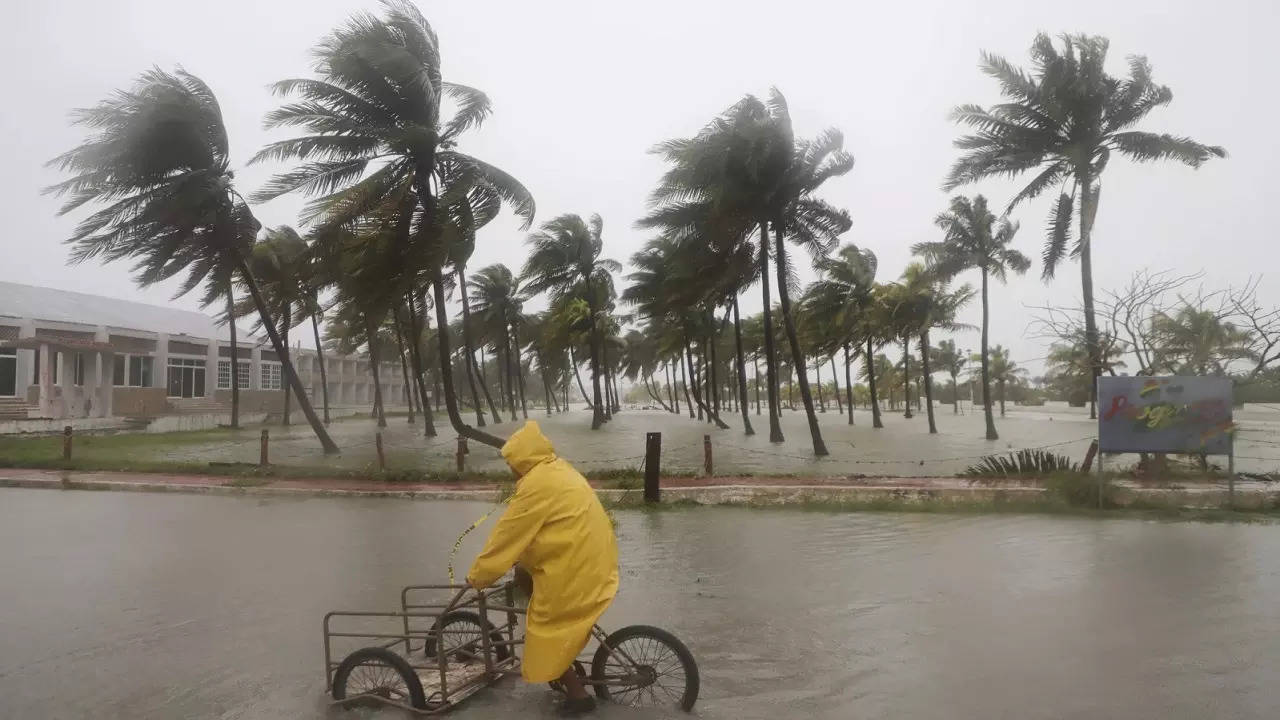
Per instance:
x=153, y=606
x=903, y=447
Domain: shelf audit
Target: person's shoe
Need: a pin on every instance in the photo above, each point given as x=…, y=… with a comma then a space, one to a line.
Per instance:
x=573, y=707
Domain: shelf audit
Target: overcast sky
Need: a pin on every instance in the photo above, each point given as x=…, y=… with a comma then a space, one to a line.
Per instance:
x=582, y=89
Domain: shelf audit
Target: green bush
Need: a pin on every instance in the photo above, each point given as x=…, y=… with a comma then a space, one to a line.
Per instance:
x=1080, y=489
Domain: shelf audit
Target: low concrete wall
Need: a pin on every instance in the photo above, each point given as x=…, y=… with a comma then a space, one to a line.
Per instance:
x=201, y=421
x=261, y=401
x=138, y=401
x=47, y=426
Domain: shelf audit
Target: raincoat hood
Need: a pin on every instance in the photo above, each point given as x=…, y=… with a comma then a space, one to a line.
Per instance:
x=527, y=448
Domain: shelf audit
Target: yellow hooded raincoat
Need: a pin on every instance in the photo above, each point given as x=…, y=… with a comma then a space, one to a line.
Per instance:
x=556, y=529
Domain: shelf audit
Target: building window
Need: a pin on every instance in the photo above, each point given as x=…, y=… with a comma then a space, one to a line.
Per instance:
x=131, y=371
x=185, y=378
x=224, y=374
x=55, y=360
x=270, y=375
x=78, y=362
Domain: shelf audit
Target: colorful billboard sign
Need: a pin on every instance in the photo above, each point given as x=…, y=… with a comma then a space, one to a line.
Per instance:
x=1165, y=414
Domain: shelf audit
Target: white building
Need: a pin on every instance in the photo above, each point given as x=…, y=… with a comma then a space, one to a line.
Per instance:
x=67, y=355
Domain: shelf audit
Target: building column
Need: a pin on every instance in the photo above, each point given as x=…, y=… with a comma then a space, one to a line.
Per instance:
x=160, y=363
x=211, y=370
x=255, y=368
x=100, y=398
x=45, y=376
x=66, y=380
x=26, y=360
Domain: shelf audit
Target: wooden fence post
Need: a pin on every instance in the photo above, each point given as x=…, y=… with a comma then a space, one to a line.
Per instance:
x=66, y=442
x=462, y=454
x=706, y=455
x=1088, y=457
x=382, y=459
x=652, y=467
x=262, y=453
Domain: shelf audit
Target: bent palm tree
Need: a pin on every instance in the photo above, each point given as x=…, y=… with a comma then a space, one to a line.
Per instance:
x=159, y=163
x=564, y=260
x=975, y=239
x=951, y=361
x=1065, y=119
x=376, y=138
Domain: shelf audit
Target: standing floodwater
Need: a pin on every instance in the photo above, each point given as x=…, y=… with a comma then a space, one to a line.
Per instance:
x=123, y=605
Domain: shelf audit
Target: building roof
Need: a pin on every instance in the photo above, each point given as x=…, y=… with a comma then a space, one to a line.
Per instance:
x=41, y=303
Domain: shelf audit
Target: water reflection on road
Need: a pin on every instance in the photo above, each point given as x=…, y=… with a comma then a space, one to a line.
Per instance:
x=123, y=605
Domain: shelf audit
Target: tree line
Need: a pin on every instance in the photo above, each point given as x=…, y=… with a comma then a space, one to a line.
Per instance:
x=396, y=206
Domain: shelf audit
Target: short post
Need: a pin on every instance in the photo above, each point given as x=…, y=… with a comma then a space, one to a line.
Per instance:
x=1087, y=465
x=461, y=455
x=382, y=459
x=1231, y=473
x=262, y=452
x=652, y=467
x=706, y=455
x=66, y=442
x=1101, y=472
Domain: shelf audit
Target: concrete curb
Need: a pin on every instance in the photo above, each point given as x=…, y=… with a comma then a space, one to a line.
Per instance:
x=735, y=494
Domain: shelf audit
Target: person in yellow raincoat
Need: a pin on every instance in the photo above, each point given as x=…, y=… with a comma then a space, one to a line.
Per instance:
x=556, y=529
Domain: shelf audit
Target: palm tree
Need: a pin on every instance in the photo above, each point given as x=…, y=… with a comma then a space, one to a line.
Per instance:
x=925, y=303
x=375, y=138
x=950, y=360
x=495, y=297
x=1069, y=367
x=1198, y=341
x=1065, y=119
x=843, y=297
x=975, y=239
x=1004, y=371
x=280, y=263
x=564, y=260
x=159, y=163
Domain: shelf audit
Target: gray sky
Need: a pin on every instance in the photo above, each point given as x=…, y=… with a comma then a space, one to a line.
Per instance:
x=582, y=89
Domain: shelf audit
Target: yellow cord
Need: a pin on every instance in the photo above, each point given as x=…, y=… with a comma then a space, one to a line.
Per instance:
x=474, y=525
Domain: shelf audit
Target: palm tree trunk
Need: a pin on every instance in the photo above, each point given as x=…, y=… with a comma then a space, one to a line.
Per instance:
x=1088, y=209
x=515, y=340
x=372, y=337
x=835, y=382
x=955, y=396
x=419, y=367
x=906, y=376
x=1001, y=384
x=446, y=369
x=597, y=409
x=468, y=350
x=484, y=384
x=324, y=375
x=235, y=360
x=404, y=364
x=871, y=383
x=581, y=388
x=656, y=396
x=291, y=376
x=702, y=405
x=928, y=380
x=714, y=384
x=819, y=447
x=506, y=356
x=684, y=384
x=848, y=384
x=755, y=379
x=817, y=378
x=771, y=354
x=284, y=334
x=546, y=381
x=986, y=365
x=672, y=395
x=743, y=403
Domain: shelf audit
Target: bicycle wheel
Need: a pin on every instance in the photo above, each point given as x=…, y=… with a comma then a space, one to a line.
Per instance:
x=377, y=672
x=642, y=666
x=459, y=631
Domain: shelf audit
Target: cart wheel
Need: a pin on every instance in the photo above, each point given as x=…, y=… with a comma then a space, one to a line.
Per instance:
x=378, y=672
x=661, y=671
x=462, y=637
x=582, y=673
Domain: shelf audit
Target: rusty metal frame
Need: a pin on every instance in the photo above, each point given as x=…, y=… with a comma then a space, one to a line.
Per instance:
x=484, y=603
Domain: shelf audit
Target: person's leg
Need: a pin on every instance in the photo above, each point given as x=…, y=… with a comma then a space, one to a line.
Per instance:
x=573, y=684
